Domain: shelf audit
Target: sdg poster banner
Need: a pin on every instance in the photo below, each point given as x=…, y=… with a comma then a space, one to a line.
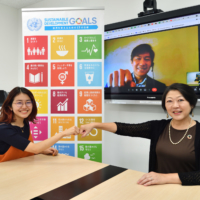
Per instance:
x=63, y=59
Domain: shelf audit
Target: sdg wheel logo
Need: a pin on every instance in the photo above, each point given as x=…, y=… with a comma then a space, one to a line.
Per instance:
x=79, y=21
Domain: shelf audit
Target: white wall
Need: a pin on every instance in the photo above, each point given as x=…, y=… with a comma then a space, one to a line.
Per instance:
x=8, y=48
x=121, y=151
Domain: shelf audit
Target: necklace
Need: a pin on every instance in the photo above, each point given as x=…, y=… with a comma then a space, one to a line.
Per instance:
x=22, y=129
x=183, y=135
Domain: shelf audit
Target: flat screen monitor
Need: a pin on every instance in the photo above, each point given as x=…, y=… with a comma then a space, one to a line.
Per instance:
x=145, y=55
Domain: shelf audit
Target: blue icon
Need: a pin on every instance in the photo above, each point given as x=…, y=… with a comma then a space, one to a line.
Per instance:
x=89, y=74
x=34, y=24
x=67, y=149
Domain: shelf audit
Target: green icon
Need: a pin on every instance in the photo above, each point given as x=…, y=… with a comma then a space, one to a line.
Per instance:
x=90, y=152
x=89, y=47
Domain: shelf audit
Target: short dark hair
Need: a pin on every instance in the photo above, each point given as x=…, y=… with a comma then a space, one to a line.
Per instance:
x=7, y=115
x=187, y=92
x=141, y=49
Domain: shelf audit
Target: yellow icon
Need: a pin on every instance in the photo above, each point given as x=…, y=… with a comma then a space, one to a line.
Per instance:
x=62, y=47
x=95, y=134
x=41, y=98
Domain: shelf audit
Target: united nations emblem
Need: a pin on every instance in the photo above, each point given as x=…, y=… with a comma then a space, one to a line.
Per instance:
x=34, y=24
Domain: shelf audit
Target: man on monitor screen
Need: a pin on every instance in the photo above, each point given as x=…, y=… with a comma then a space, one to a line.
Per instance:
x=142, y=57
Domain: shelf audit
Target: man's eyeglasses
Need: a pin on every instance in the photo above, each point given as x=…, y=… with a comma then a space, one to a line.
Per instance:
x=20, y=104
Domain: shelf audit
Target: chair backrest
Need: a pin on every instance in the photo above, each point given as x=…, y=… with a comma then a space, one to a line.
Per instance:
x=3, y=95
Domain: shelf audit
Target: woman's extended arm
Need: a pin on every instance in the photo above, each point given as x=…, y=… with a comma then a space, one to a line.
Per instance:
x=142, y=130
x=87, y=128
x=41, y=146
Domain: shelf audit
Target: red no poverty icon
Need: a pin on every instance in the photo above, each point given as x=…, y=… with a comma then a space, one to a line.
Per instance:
x=36, y=48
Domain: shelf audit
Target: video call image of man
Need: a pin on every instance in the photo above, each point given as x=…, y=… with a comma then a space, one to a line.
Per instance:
x=142, y=60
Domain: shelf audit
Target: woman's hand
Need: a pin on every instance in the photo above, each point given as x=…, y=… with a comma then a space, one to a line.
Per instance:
x=50, y=151
x=86, y=129
x=152, y=178
x=71, y=131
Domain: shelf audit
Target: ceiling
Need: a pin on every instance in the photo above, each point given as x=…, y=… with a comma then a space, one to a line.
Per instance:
x=18, y=3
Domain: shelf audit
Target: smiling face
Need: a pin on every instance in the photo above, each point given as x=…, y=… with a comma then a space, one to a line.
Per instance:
x=177, y=106
x=141, y=64
x=21, y=107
